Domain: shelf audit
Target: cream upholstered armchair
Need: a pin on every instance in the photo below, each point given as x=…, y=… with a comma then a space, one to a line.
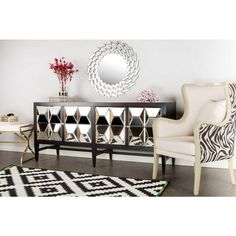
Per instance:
x=206, y=131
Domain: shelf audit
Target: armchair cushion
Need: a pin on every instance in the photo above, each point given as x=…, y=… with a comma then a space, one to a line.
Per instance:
x=181, y=144
x=213, y=112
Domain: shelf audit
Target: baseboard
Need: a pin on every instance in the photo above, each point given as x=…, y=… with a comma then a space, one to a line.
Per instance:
x=19, y=148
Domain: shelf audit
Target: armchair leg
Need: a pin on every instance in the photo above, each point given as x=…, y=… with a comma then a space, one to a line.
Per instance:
x=197, y=178
x=163, y=164
x=231, y=170
x=155, y=166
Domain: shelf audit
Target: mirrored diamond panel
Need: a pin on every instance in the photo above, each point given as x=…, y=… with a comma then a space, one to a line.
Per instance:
x=78, y=124
x=49, y=124
x=140, y=125
x=110, y=125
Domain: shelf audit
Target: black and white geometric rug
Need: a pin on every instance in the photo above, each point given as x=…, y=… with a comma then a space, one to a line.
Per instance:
x=22, y=182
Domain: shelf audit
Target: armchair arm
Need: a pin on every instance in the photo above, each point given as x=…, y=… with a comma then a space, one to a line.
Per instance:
x=164, y=127
x=214, y=142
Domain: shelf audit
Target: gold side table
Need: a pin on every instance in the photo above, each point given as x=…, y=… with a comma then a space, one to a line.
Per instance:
x=21, y=130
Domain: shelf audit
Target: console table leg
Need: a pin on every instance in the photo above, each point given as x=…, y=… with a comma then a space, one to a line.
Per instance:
x=173, y=161
x=163, y=164
x=58, y=151
x=110, y=154
x=36, y=153
x=94, y=157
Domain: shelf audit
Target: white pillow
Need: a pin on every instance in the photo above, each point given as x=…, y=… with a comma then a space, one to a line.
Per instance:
x=213, y=112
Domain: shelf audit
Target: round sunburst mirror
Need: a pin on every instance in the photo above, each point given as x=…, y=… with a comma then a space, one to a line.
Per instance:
x=113, y=69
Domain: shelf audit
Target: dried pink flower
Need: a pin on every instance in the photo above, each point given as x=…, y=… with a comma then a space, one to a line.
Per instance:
x=147, y=96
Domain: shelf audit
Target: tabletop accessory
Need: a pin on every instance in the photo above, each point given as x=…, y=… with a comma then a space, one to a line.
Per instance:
x=64, y=71
x=147, y=96
x=9, y=118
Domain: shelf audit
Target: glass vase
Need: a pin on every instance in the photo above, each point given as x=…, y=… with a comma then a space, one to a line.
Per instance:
x=63, y=90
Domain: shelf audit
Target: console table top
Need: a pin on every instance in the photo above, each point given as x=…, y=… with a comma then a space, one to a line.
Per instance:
x=151, y=104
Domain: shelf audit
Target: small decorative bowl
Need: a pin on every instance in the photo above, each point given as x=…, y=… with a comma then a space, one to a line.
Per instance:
x=11, y=118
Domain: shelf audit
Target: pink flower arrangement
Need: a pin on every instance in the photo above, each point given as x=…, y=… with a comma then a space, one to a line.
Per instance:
x=63, y=69
x=147, y=96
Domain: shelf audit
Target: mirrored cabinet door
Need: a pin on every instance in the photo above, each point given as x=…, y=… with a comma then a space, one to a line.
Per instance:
x=78, y=123
x=136, y=121
x=140, y=125
x=49, y=123
x=110, y=125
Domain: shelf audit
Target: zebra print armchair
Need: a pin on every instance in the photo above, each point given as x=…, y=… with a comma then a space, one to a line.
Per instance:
x=206, y=131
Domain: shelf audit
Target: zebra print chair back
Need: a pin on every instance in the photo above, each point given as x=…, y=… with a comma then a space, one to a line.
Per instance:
x=217, y=141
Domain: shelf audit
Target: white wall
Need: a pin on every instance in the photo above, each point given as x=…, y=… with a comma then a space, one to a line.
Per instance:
x=165, y=65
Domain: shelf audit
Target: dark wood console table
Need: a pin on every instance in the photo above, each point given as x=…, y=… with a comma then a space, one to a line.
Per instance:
x=114, y=128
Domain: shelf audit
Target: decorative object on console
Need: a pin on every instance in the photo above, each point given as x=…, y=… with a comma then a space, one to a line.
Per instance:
x=64, y=71
x=63, y=99
x=50, y=183
x=9, y=118
x=147, y=96
x=113, y=60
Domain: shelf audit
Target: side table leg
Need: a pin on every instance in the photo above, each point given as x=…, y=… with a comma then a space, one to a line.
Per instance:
x=22, y=155
x=25, y=134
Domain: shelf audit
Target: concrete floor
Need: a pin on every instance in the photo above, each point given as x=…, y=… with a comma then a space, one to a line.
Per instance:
x=214, y=181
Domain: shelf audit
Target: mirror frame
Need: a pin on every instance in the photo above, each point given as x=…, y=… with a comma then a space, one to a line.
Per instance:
x=130, y=57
